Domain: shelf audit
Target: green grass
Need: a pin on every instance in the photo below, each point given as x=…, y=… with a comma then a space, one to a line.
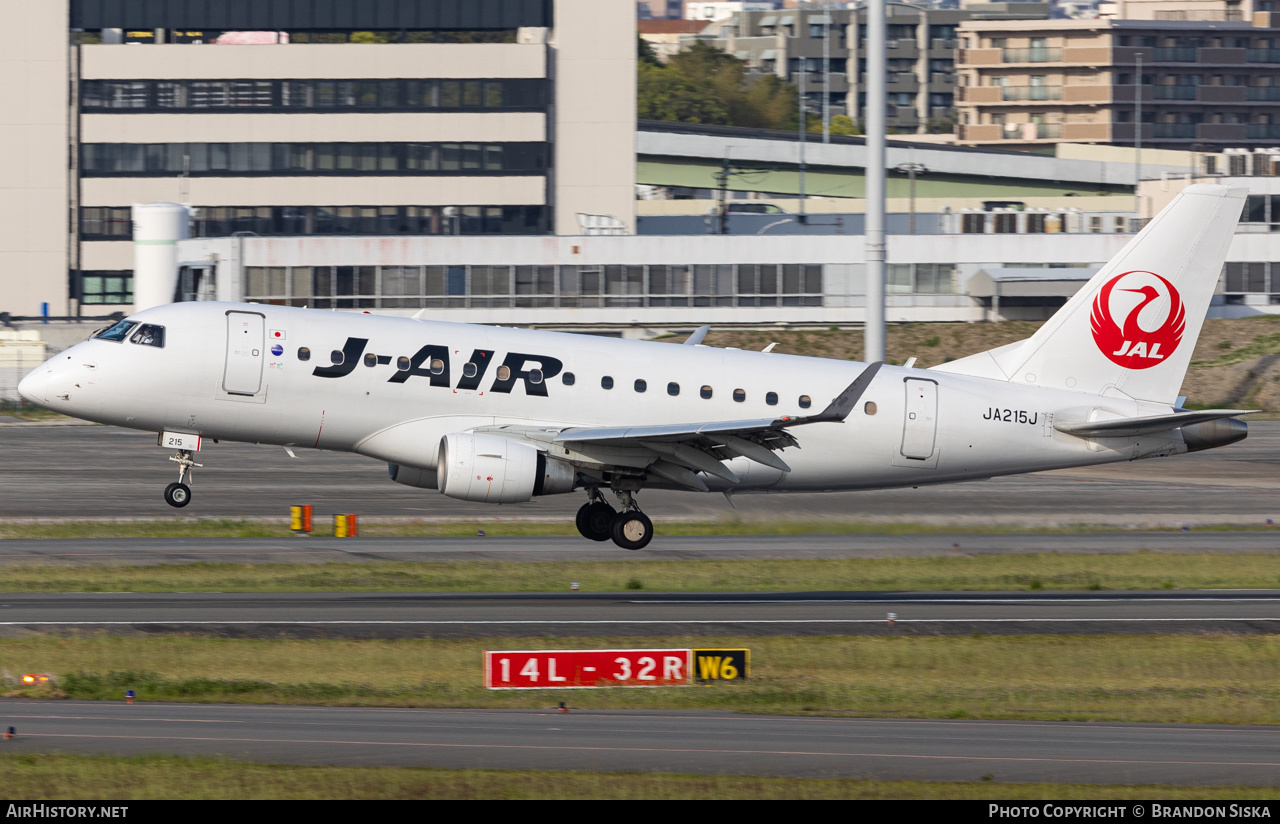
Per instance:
x=192, y=527
x=1224, y=679
x=1051, y=571
x=80, y=777
x=29, y=412
x=1259, y=346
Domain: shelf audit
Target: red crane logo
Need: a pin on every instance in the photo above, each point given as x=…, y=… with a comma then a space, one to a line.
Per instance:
x=1150, y=331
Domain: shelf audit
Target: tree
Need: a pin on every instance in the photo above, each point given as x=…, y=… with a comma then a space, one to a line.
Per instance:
x=645, y=53
x=703, y=84
x=665, y=94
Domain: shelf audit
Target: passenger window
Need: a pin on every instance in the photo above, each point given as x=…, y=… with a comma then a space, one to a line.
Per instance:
x=337, y=357
x=469, y=370
x=705, y=392
x=739, y=395
x=403, y=363
x=504, y=373
x=149, y=334
x=535, y=376
x=606, y=382
x=771, y=398
x=673, y=389
x=437, y=367
x=805, y=401
x=370, y=359
x=118, y=332
x=641, y=385
x=567, y=379
x=304, y=354
x=870, y=407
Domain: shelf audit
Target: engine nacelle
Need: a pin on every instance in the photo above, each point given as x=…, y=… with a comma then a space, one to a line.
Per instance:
x=1210, y=434
x=496, y=470
x=412, y=476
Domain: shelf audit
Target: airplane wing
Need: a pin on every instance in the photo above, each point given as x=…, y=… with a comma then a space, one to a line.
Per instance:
x=677, y=452
x=1149, y=425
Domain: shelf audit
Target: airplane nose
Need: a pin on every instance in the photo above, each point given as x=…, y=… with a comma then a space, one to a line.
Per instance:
x=33, y=386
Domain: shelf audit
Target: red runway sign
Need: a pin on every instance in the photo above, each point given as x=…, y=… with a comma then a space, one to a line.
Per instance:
x=579, y=668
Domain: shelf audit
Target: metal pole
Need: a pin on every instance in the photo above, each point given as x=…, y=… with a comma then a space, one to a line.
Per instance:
x=804, y=120
x=911, y=173
x=1137, y=140
x=826, y=74
x=875, y=176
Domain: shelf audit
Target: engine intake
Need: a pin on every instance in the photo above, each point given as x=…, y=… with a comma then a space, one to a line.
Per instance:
x=496, y=470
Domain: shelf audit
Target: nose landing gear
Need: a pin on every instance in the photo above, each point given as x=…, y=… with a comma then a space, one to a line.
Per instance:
x=179, y=494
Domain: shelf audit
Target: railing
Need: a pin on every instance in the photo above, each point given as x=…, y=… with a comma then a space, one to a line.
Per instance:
x=1203, y=15
x=1175, y=92
x=1262, y=92
x=1030, y=131
x=1262, y=55
x=942, y=44
x=1175, y=130
x=1032, y=55
x=1263, y=130
x=1175, y=55
x=1031, y=93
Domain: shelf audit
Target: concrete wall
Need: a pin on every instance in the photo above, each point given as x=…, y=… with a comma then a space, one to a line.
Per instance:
x=34, y=125
x=594, y=51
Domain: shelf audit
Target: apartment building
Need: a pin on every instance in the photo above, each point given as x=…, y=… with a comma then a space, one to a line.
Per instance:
x=825, y=52
x=341, y=117
x=1205, y=81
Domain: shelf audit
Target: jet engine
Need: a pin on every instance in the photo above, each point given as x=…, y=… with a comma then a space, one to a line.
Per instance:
x=1210, y=434
x=496, y=470
x=412, y=476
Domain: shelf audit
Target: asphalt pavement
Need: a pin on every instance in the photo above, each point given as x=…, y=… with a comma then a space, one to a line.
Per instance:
x=660, y=741
x=568, y=614
x=106, y=472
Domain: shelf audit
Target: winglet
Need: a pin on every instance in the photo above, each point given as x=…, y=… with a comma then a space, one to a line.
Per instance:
x=698, y=334
x=843, y=404
x=418, y=314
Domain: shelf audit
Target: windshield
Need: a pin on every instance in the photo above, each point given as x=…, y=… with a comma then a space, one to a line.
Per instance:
x=149, y=334
x=118, y=332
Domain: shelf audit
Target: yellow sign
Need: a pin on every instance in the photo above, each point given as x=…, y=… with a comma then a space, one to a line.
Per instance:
x=721, y=664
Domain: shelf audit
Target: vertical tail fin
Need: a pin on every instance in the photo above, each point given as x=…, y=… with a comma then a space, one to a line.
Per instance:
x=1130, y=330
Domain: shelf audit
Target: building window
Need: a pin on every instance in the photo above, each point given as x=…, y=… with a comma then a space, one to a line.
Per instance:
x=102, y=287
x=106, y=223
x=123, y=96
x=310, y=159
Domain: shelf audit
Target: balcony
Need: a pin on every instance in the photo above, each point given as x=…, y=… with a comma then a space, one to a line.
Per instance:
x=979, y=57
x=1174, y=131
x=1263, y=131
x=1009, y=93
x=1087, y=55
x=1263, y=55
x=1030, y=131
x=1175, y=92
x=1086, y=94
x=1263, y=92
x=1175, y=55
x=1032, y=55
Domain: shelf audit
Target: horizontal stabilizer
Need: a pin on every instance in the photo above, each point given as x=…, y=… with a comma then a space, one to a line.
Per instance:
x=1131, y=427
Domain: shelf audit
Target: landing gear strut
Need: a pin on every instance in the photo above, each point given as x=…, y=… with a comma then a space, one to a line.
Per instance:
x=179, y=494
x=630, y=528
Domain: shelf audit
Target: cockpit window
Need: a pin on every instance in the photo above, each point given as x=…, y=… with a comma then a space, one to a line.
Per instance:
x=118, y=332
x=149, y=334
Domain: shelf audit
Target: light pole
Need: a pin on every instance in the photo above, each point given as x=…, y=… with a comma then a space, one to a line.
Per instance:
x=911, y=170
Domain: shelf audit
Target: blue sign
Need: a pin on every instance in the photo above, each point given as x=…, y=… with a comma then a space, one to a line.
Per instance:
x=277, y=350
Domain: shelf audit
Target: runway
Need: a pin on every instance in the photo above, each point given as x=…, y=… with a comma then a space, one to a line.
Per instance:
x=106, y=472
x=455, y=615
x=660, y=741
x=319, y=550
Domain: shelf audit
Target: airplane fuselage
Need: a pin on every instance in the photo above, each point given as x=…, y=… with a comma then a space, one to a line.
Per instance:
x=382, y=398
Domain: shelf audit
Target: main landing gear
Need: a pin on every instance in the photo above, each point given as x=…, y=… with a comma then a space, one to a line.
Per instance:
x=629, y=529
x=179, y=494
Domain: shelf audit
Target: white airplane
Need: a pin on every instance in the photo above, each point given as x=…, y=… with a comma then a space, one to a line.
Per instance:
x=503, y=415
